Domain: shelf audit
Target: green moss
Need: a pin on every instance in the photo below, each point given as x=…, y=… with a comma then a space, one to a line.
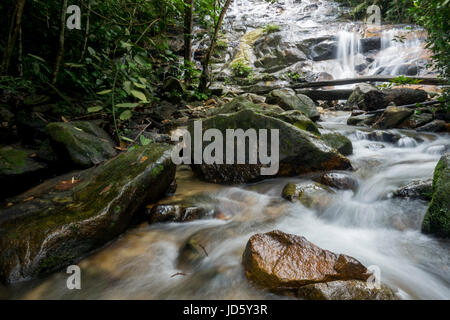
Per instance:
x=339, y=142
x=12, y=159
x=437, y=218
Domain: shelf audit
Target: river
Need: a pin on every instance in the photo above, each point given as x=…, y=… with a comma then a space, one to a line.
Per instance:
x=368, y=224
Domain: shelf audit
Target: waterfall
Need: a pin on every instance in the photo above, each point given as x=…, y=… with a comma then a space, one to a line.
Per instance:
x=348, y=48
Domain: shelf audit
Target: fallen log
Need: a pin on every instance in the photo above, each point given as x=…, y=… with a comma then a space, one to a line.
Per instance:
x=414, y=105
x=341, y=82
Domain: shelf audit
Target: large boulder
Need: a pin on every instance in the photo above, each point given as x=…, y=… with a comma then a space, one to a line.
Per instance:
x=367, y=97
x=82, y=142
x=392, y=117
x=300, y=151
x=404, y=96
x=325, y=50
x=437, y=218
x=243, y=103
x=346, y=290
x=416, y=120
x=434, y=126
x=278, y=260
x=370, y=44
x=339, y=180
x=19, y=170
x=298, y=119
x=340, y=142
x=63, y=219
x=288, y=100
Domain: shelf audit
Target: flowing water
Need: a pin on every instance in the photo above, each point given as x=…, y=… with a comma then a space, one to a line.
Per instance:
x=368, y=224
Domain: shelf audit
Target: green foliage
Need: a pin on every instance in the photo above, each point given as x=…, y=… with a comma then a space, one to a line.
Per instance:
x=271, y=28
x=240, y=69
x=391, y=11
x=434, y=15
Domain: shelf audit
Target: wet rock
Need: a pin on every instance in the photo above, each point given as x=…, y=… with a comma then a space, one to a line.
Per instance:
x=367, y=97
x=434, y=126
x=339, y=180
x=5, y=115
x=345, y=290
x=369, y=44
x=63, y=219
x=288, y=100
x=437, y=218
x=172, y=84
x=419, y=189
x=340, y=142
x=383, y=136
x=311, y=195
x=326, y=50
x=279, y=260
x=178, y=213
x=18, y=170
x=392, y=117
x=83, y=142
x=362, y=120
x=416, y=120
x=404, y=96
x=8, y=130
x=300, y=151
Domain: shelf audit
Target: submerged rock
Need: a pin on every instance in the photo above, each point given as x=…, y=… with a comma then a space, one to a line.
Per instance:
x=419, y=189
x=340, y=142
x=300, y=151
x=345, y=290
x=83, y=142
x=278, y=260
x=437, y=218
x=178, y=213
x=288, y=100
x=63, y=219
x=339, y=180
x=311, y=195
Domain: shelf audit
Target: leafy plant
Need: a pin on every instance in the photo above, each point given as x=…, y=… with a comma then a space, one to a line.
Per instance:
x=240, y=69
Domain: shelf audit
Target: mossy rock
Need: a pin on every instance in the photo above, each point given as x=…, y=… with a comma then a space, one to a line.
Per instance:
x=83, y=142
x=298, y=119
x=242, y=103
x=288, y=100
x=63, y=219
x=18, y=171
x=437, y=218
x=340, y=142
x=300, y=151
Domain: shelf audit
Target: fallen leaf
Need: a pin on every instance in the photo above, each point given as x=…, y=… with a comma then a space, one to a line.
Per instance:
x=66, y=185
x=143, y=159
x=106, y=189
x=64, y=119
x=10, y=204
x=28, y=199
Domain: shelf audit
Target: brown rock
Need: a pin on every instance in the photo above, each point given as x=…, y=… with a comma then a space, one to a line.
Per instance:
x=279, y=260
x=346, y=290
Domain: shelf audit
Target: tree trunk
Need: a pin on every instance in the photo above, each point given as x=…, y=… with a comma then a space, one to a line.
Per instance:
x=60, y=54
x=188, y=27
x=205, y=74
x=340, y=82
x=328, y=95
x=86, y=35
x=12, y=36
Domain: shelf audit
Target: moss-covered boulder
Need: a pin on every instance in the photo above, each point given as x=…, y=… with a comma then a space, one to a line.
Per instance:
x=437, y=218
x=367, y=97
x=418, y=189
x=65, y=218
x=300, y=151
x=288, y=100
x=243, y=103
x=83, y=142
x=298, y=119
x=346, y=290
x=18, y=170
x=340, y=142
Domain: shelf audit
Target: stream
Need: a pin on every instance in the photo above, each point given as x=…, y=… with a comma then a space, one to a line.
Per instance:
x=367, y=224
